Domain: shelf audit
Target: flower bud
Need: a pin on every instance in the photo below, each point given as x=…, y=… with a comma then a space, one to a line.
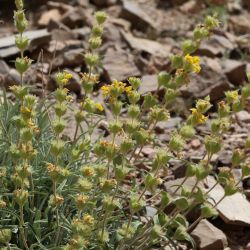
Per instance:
x=21, y=196
x=61, y=94
x=131, y=126
x=121, y=173
x=79, y=116
x=57, y=147
x=20, y=20
x=158, y=114
x=245, y=170
x=103, y=236
x=110, y=204
x=170, y=95
x=55, y=201
x=245, y=91
x=19, y=91
x=126, y=146
x=207, y=211
x=133, y=97
x=162, y=157
x=163, y=79
x=176, y=143
x=89, y=105
x=116, y=107
x=91, y=59
x=26, y=134
x=165, y=199
x=151, y=183
x=22, y=64
x=149, y=101
x=212, y=144
x=2, y=204
x=215, y=126
x=232, y=96
x=5, y=235
x=191, y=170
x=97, y=30
x=134, y=111
x=136, y=204
x=211, y=22
x=23, y=171
x=202, y=172
x=177, y=62
x=223, y=109
x=181, y=203
x=19, y=4
x=95, y=42
x=108, y=185
x=134, y=82
x=187, y=131
x=230, y=188
x=200, y=33
x=237, y=157
x=84, y=185
x=22, y=42
x=203, y=106
x=141, y=136
x=237, y=106
x=189, y=47
x=81, y=201
x=59, y=125
x=101, y=17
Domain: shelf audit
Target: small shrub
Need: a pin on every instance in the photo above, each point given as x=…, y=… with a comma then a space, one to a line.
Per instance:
x=58, y=193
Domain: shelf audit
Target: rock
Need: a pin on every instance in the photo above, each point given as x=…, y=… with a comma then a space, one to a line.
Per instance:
x=149, y=84
x=248, y=246
x=191, y=7
x=119, y=65
x=238, y=214
x=13, y=77
x=245, y=4
x=195, y=143
x=209, y=237
x=243, y=116
x=53, y=25
x=73, y=18
x=73, y=57
x=171, y=123
x=240, y=23
x=36, y=37
x=134, y=13
x=46, y=16
x=148, y=151
x=235, y=71
x=215, y=46
x=151, y=211
x=207, y=82
x=63, y=35
x=4, y=68
x=104, y=3
x=149, y=46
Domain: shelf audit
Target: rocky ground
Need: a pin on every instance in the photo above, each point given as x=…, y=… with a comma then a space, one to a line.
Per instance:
x=139, y=39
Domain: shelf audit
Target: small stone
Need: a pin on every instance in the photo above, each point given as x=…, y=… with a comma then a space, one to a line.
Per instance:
x=149, y=84
x=134, y=13
x=196, y=143
x=149, y=46
x=235, y=71
x=240, y=23
x=209, y=237
x=150, y=211
x=248, y=246
x=243, y=116
x=45, y=18
x=119, y=65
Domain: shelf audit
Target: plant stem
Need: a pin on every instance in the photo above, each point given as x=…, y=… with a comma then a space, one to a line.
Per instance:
x=22, y=229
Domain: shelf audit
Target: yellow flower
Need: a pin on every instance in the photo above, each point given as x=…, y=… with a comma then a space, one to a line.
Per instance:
x=99, y=106
x=105, y=90
x=198, y=118
x=88, y=219
x=232, y=96
x=194, y=61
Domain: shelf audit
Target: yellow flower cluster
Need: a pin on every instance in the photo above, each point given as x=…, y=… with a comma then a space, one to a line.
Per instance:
x=115, y=89
x=62, y=78
x=197, y=117
x=194, y=62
